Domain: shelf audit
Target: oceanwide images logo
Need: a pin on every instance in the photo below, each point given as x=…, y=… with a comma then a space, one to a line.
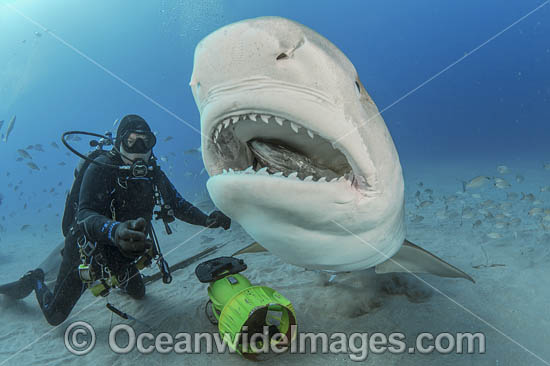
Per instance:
x=80, y=339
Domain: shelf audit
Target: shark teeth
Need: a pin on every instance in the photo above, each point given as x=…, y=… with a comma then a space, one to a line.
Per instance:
x=226, y=126
x=292, y=176
x=257, y=117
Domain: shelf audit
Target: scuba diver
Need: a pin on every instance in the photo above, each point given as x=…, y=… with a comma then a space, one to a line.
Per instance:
x=107, y=223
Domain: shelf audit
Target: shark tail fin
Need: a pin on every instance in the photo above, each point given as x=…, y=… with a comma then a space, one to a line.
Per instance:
x=412, y=258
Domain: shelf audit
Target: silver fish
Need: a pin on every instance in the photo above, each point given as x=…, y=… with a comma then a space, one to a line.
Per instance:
x=501, y=183
x=24, y=154
x=535, y=211
x=425, y=204
x=416, y=219
x=475, y=182
x=468, y=213
x=33, y=166
x=73, y=137
x=193, y=151
x=10, y=128
x=503, y=169
x=519, y=178
x=528, y=197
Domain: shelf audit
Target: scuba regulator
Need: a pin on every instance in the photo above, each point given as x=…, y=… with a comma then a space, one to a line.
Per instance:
x=251, y=319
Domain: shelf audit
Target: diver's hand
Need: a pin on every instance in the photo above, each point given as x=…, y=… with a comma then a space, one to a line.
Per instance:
x=218, y=219
x=130, y=238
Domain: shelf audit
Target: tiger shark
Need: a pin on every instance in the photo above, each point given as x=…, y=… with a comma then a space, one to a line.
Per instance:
x=297, y=152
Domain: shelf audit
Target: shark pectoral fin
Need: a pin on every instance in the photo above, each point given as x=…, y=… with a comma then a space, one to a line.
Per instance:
x=412, y=258
x=252, y=248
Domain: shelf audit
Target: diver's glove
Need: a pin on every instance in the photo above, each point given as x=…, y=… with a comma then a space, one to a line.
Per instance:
x=130, y=238
x=218, y=219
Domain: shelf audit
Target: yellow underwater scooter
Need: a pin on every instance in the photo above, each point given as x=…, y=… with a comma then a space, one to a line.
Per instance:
x=242, y=310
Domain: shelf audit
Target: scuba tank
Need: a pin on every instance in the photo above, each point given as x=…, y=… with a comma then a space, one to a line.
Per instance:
x=71, y=202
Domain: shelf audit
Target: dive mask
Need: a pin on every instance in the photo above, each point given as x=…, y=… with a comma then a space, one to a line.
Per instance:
x=138, y=141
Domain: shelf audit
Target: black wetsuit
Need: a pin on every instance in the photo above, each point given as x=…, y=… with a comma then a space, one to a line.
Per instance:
x=106, y=199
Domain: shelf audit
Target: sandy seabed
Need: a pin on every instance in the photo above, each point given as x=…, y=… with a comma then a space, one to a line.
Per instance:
x=495, y=237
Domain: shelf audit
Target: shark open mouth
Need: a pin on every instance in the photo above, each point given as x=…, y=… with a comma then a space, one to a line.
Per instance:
x=257, y=143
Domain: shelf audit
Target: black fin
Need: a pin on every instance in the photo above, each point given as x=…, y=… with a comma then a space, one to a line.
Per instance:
x=18, y=289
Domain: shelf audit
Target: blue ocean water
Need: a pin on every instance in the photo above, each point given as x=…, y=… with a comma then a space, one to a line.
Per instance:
x=110, y=59
x=460, y=84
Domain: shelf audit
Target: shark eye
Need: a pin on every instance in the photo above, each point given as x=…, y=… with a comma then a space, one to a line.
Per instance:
x=358, y=88
x=282, y=56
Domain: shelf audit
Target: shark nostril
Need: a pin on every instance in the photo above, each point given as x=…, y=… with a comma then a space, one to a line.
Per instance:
x=282, y=56
x=357, y=88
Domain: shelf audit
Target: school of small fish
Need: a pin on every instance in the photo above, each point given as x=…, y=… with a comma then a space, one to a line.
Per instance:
x=23, y=194
x=482, y=207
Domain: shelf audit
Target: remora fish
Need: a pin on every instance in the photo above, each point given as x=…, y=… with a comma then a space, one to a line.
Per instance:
x=10, y=128
x=297, y=88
